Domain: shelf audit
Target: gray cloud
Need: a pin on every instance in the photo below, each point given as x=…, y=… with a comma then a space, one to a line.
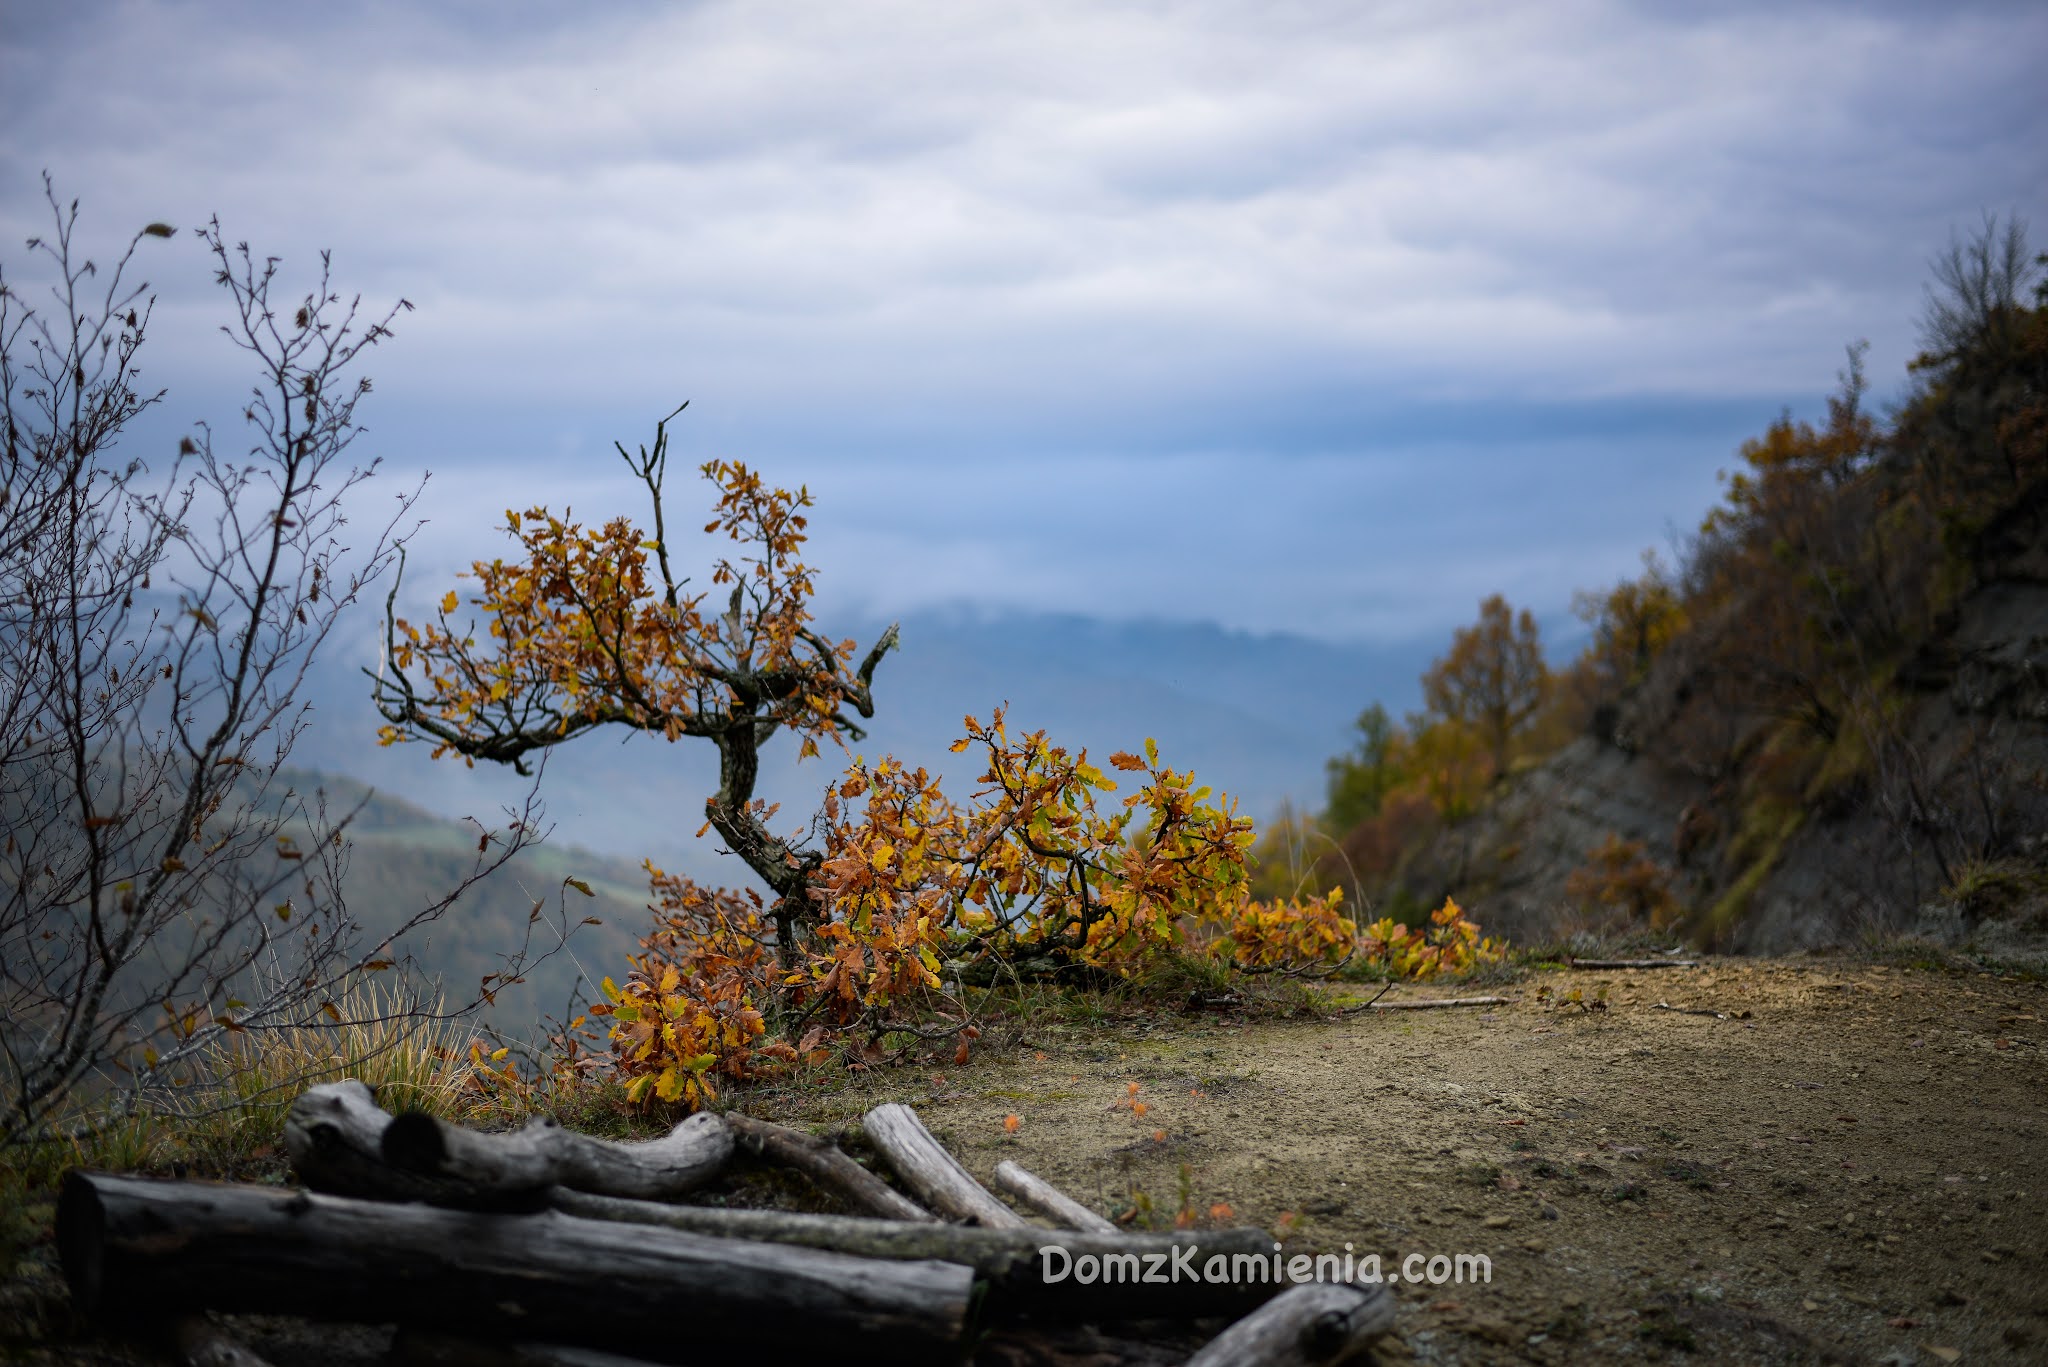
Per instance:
x=1214, y=262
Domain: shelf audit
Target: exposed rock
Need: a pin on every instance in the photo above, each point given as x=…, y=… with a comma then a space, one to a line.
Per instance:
x=1854, y=853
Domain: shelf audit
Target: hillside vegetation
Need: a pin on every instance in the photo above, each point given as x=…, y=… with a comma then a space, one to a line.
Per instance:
x=402, y=857
x=1830, y=719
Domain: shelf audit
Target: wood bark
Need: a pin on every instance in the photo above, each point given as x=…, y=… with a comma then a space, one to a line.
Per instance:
x=822, y=1162
x=342, y=1142
x=1048, y=1200
x=132, y=1246
x=335, y=1135
x=1011, y=1262
x=927, y=1169
x=1317, y=1324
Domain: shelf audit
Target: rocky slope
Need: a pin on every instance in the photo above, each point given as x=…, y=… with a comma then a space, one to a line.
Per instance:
x=1940, y=827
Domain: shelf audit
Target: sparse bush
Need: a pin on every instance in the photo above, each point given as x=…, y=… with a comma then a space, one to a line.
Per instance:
x=1620, y=876
x=1451, y=944
x=165, y=891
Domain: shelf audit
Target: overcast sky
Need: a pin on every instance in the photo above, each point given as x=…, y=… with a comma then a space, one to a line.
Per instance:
x=1327, y=317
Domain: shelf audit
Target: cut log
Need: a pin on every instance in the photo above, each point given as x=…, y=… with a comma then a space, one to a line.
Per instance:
x=335, y=1135
x=927, y=1169
x=1048, y=1200
x=824, y=1164
x=1023, y=1282
x=1632, y=963
x=342, y=1142
x=1318, y=1324
x=131, y=1246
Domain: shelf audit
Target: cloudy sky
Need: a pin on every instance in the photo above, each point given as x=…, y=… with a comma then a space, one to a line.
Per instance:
x=1313, y=315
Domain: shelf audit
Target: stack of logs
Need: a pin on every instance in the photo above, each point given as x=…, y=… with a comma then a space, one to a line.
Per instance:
x=545, y=1246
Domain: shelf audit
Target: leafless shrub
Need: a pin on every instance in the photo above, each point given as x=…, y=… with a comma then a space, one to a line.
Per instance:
x=160, y=886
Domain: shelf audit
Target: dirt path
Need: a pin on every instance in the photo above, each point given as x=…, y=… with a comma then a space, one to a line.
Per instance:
x=1855, y=1171
x=1850, y=1166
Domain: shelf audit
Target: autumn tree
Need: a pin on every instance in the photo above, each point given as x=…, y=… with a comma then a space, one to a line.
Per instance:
x=162, y=888
x=1632, y=622
x=1789, y=613
x=1984, y=364
x=591, y=628
x=1493, y=679
x=1358, y=782
x=1978, y=294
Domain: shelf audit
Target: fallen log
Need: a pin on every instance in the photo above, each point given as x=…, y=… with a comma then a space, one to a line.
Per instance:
x=927, y=1169
x=1023, y=1282
x=1317, y=1324
x=1632, y=963
x=131, y=1246
x=824, y=1164
x=343, y=1143
x=1048, y=1200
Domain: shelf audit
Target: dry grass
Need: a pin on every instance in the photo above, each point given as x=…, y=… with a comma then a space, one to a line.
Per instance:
x=228, y=1117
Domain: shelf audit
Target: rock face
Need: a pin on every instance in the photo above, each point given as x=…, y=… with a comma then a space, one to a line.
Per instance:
x=1795, y=839
x=1513, y=859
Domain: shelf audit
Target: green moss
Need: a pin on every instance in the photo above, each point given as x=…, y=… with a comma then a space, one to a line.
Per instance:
x=1733, y=904
x=1845, y=764
x=1765, y=824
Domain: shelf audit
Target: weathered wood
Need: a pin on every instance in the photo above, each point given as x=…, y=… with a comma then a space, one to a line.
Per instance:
x=544, y=1154
x=1317, y=1324
x=1691, y=1010
x=1439, y=1002
x=1632, y=963
x=1048, y=1200
x=824, y=1163
x=342, y=1142
x=1012, y=1263
x=335, y=1135
x=1434, y=1004
x=199, y=1342
x=131, y=1246
x=927, y=1169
